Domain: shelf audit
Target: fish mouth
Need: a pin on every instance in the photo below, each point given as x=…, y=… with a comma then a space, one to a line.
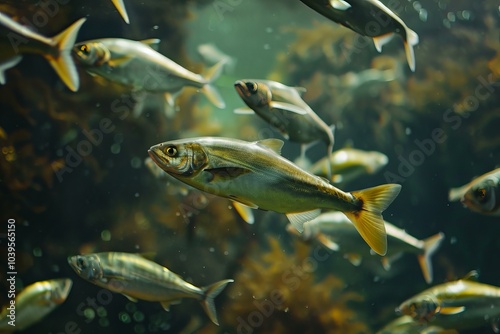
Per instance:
x=241, y=88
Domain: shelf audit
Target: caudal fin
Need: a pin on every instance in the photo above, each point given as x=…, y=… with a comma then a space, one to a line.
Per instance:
x=431, y=245
x=61, y=61
x=410, y=42
x=210, y=91
x=368, y=220
x=211, y=292
x=120, y=7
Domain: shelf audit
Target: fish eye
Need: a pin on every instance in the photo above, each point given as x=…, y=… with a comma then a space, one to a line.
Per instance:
x=481, y=194
x=171, y=151
x=252, y=87
x=81, y=262
x=85, y=49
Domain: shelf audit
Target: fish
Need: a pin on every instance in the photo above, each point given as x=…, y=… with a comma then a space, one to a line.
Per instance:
x=349, y=163
x=368, y=18
x=481, y=195
x=19, y=40
x=136, y=278
x=461, y=304
x=34, y=302
x=406, y=325
x=137, y=65
x=337, y=233
x=211, y=54
x=120, y=7
x=282, y=107
x=255, y=174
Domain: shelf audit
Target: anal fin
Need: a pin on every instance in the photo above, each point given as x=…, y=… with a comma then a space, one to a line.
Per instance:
x=298, y=219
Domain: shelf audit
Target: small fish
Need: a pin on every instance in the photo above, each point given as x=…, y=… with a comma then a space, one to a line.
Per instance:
x=137, y=65
x=337, y=233
x=18, y=39
x=120, y=7
x=256, y=175
x=135, y=277
x=461, y=304
x=406, y=325
x=35, y=302
x=368, y=18
x=481, y=194
x=348, y=164
x=211, y=54
x=282, y=107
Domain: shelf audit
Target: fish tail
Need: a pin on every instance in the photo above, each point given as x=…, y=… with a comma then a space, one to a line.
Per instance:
x=210, y=91
x=410, y=41
x=210, y=292
x=368, y=219
x=431, y=245
x=62, y=62
x=120, y=7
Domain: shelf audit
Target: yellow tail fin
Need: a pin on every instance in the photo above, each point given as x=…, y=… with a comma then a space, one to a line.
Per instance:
x=120, y=7
x=62, y=62
x=368, y=220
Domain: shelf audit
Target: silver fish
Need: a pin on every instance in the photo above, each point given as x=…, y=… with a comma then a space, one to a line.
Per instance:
x=137, y=65
x=255, y=174
x=34, y=302
x=368, y=18
x=481, y=194
x=211, y=54
x=348, y=164
x=19, y=39
x=138, y=278
x=462, y=304
x=282, y=107
x=337, y=233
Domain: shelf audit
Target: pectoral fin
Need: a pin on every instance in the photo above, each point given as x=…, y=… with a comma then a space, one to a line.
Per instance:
x=153, y=43
x=452, y=310
x=166, y=303
x=244, y=211
x=382, y=40
x=119, y=61
x=298, y=219
x=288, y=107
x=132, y=299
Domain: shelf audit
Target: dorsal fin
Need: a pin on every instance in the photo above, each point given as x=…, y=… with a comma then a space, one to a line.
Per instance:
x=274, y=144
x=153, y=43
x=472, y=275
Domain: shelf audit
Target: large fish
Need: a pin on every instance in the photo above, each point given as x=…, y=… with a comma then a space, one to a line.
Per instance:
x=481, y=194
x=34, y=302
x=137, y=65
x=336, y=232
x=368, y=18
x=282, y=107
x=138, y=278
x=255, y=174
x=462, y=304
x=18, y=39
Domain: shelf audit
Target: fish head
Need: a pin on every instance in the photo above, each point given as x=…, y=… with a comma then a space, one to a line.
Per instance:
x=179, y=157
x=87, y=266
x=482, y=197
x=92, y=53
x=421, y=308
x=60, y=290
x=255, y=94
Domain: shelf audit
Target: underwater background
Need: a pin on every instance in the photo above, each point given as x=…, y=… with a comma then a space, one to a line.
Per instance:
x=109, y=201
